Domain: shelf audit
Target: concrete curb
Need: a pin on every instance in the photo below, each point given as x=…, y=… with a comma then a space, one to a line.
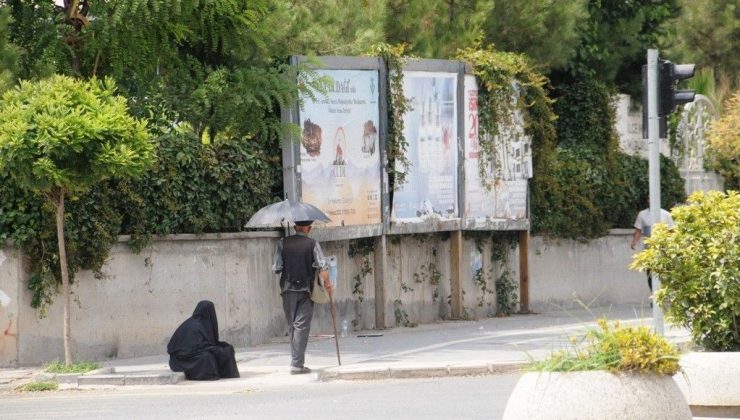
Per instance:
x=108, y=376
x=141, y=378
x=69, y=378
x=365, y=373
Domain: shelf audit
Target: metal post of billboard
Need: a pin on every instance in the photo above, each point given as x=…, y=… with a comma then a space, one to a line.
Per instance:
x=456, y=241
x=654, y=165
x=291, y=151
x=524, y=264
x=524, y=272
x=381, y=250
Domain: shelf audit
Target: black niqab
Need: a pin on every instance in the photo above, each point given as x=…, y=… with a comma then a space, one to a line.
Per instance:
x=195, y=348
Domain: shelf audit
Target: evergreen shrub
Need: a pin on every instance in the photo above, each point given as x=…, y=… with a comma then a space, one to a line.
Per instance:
x=697, y=262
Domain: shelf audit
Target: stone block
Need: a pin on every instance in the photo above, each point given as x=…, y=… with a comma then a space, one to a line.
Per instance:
x=419, y=372
x=101, y=380
x=461, y=370
x=154, y=379
x=710, y=379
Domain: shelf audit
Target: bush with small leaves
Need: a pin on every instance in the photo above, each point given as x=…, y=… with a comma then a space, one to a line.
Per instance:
x=697, y=263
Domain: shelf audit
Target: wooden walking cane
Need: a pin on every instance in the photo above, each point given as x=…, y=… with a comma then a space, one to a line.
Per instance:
x=334, y=322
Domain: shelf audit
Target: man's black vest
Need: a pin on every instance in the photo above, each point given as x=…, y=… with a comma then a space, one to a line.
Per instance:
x=298, y=270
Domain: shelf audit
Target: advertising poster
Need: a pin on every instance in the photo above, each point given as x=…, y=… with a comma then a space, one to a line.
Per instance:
x=340, y=159
x=430, y=129
x=507, y=196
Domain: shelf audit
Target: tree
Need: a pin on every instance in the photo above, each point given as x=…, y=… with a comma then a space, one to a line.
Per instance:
x=724, y=142
x=613, y=41
x=708, y=33
x=544, y=30
x=8, y=55
x=435, y=28
x=331, y=27
x=59, y=137
x=42, y=51
x=210, y=63
x=205, y=69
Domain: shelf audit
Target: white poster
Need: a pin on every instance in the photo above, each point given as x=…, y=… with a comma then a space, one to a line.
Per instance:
x=430, y=129
x=507, y=177
x=340, y=157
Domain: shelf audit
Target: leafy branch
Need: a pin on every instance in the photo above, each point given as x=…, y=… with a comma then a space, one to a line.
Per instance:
x=398, y=163
x=507, y=82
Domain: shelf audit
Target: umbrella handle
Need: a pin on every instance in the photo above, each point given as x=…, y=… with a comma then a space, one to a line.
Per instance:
x=334, y=323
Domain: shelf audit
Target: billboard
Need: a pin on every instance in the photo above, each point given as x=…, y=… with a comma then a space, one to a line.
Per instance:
x=339, y=150
x=506, y=197
x=430, y=128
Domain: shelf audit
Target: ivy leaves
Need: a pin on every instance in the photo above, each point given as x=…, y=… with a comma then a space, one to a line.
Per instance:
x=398, y=163
x=509, y=84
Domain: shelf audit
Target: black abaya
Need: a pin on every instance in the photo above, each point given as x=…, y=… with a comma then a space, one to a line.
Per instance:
x=195, y=349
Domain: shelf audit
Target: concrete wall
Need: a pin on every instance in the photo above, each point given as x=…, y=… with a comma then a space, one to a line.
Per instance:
x=134, y=310
x=562, y=273
x=701, y=181
x=144, y=297
x=629, y=128
x=12, y=281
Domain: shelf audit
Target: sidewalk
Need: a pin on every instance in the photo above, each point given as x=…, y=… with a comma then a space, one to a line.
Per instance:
x=486, y=346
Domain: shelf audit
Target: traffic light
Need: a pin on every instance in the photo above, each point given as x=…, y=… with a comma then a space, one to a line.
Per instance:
x=669, y=96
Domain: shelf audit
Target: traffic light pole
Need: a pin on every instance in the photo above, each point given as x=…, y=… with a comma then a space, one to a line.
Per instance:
x=654, y=166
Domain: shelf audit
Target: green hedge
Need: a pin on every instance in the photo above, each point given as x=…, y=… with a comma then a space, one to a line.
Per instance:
x=592, y=186
x=198, y=188
x=193, y=188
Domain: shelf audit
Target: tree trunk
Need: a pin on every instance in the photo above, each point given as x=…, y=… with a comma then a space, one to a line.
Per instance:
x=65, y=276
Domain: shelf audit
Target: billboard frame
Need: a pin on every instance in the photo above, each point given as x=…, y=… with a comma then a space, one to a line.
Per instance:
x=291, y=148
x=291, y=154
x=435, y=225
x=471, y=223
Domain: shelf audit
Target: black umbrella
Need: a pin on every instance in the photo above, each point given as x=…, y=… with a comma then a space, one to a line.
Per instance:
x=287, y=211
x=284, y=212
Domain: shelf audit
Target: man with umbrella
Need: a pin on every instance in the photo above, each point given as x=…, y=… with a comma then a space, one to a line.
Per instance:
x=296, y=259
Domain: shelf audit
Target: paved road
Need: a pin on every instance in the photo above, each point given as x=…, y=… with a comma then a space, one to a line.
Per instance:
x=482, y=397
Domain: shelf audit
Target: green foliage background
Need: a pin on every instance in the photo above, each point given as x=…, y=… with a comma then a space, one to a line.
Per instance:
x=211, y=78
x=611, y=186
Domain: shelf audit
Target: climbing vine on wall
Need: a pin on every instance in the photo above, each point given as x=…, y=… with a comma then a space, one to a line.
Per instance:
x=504, y=285
x=429, y=272
x=507, y=84
x=481, y=279
x=507, y=298
x=481, y=276
x=361, y=249
x=397, y=163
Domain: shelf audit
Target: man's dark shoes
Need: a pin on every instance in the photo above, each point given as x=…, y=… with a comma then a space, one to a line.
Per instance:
x=299, y=370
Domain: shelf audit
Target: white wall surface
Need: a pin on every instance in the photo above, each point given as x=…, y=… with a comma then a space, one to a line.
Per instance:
x=629, y=129
x=134, y=310
x=12, y=279
x=564, y=273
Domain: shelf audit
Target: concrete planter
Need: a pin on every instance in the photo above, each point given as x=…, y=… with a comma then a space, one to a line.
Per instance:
x=596, y=395
x=710, y=381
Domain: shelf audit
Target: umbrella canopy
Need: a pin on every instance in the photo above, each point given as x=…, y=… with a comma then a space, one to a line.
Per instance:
x=287, y=211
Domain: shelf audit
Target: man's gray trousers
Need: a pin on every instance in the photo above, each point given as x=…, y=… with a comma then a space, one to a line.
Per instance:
x=298, y=308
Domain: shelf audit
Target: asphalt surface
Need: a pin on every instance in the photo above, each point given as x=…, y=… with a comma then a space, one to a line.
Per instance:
x=451, y=348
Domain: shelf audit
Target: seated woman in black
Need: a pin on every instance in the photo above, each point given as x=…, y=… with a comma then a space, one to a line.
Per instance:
x=195, y=349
